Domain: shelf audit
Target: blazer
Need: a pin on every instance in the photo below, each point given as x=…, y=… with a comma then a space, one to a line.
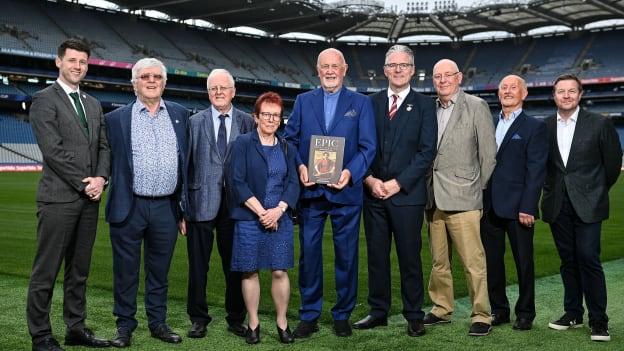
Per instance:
x=517, y=180
x=121, y=189
x=69, y=154
x=412, y=148
x=247, y=175
x=593, y=167
x=353, y=120
x=466, y=157
x=205, y=164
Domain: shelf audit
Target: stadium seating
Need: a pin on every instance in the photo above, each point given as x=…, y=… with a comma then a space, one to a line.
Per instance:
x=17, y=142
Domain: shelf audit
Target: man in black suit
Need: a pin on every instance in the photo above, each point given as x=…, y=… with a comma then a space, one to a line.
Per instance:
x=510, y=202
x=585, y=161
x=70, y=131
x=396, y=193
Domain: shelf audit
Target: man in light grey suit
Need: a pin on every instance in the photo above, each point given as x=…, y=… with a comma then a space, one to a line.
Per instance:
x=210, y=134
x=70, y=131
x=465, y=160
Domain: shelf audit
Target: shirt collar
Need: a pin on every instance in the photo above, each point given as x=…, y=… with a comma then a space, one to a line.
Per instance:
x=451, y=102
x=327, y=94
x=142, y=107
x=572, y=118
x=512, y=116
x=216, y=113
x=66, y=88
x=402, y=94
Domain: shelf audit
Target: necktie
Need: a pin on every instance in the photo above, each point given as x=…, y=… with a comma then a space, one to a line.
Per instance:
x=393, y=108
x=222, y=136
x=80, y=110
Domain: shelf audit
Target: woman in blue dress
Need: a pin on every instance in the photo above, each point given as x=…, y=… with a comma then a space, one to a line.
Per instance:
x=263, y=185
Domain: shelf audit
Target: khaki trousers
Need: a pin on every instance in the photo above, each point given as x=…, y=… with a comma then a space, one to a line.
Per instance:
x=463, y=230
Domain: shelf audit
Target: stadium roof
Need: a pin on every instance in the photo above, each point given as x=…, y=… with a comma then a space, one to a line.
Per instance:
x=368, y=17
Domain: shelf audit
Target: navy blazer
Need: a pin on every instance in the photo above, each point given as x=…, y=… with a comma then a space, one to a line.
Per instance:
x=353, y=120
x=118, y=129
x=247, y=171
x=520, y=171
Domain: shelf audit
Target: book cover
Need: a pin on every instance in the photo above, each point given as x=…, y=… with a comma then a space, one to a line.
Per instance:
x=326, y=155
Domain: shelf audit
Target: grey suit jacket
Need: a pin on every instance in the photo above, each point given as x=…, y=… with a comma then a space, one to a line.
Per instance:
x=206, y=165
x=466, y=157
x=69, y=154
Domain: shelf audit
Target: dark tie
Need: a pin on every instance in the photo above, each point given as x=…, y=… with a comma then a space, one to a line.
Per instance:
x=80, y=110
x=222, y=136
x=393, y=108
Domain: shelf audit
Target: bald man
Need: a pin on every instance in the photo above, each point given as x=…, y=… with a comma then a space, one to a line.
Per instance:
x=510, y=202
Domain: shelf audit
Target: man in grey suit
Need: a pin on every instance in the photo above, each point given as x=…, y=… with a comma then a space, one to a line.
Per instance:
x=465, y=160
x=584, y=162
x=210, y=134
x=70, y=131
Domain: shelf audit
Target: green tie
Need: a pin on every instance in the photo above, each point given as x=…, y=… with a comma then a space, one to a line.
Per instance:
x=81, y=113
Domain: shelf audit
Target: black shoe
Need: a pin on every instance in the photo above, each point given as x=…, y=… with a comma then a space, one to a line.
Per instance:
x=198, y=330
x=479, y=329
x=48, y=344
x=431, y=319
x=285, y=336
x=522, y=324
x=342, y=328
x=415, y=328
x=238, y=329
x=84, y=337
x=253, y=335
x=305, y=329
x=566, y=322
x=164, y=333
x=500, y=319
x=122, y=338
x=370, y=322
x=600, y=332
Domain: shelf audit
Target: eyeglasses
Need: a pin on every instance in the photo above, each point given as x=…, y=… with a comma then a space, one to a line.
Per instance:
x=267, y=116
x=401, y=66
x=446, y=75
x=334, y=67
x=148, y=76
x=216, y=89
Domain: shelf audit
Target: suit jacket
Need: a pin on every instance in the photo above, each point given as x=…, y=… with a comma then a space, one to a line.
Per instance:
x=247, y=175
x=206, y=166
x=69, y=154
x=121, y=191
x=518, y=177
x=593, y=167
x=466, y=157
x=353, y=120
x=412, y=148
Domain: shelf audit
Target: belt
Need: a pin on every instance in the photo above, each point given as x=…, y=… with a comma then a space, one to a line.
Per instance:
x=154, y=197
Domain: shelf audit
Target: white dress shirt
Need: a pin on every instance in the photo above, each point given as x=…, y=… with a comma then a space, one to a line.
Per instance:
x=401, y=97
x=216, y=122
x=68, y=90
x=565, y=133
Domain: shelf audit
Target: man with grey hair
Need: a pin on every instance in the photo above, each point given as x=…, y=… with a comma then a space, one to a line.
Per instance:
x=396, y=193
x=210, y=134
x=148, y=144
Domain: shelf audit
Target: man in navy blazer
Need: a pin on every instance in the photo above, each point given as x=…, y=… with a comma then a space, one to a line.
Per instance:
x=510, y=202
x=211, y=133
x=331, y=110
x=148, y=142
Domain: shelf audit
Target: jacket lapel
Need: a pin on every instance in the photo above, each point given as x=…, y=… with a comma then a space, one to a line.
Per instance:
x=455, y=115
x=258, y=144
x=208, y=130
x=235, y=129
x=380, y=116
x=125, y=121
x=69, y=105
x=402, y=117
x=511, y=131
x=551, y=123
x=581, y=128
x=318, y=105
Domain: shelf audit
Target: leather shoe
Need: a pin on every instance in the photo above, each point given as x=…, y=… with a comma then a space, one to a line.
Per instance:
x=164, y=333
x=198, y=330
x=431, y=319
x=370, y=322
x=415, y=328
x=48, y=344
x=285, y=335
x=500, y=319
x=84, y=337
x=122, y=338
x=253, y=335
x=237, y=329
x=342, y=328
x=523, y=324
x=305, y=329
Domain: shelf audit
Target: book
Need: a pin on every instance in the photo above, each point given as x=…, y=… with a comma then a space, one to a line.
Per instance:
x=326, y=156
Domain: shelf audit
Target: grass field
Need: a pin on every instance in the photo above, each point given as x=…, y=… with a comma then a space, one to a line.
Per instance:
x=17, y=242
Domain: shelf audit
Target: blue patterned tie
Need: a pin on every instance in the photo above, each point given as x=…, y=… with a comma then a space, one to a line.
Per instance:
x=222, y=136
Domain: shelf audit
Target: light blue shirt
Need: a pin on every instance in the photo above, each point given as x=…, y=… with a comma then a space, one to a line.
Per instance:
x=503, y=125
x=216, y=122
x=154, y=151
x=330, y=101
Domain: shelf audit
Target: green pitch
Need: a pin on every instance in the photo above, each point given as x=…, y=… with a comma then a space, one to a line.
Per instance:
x=17, y=242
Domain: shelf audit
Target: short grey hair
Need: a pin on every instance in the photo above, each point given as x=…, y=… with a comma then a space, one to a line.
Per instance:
x=216, y=71
x=521, y=80
x=333, y=50
x=400, y=48
x=147, y=63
